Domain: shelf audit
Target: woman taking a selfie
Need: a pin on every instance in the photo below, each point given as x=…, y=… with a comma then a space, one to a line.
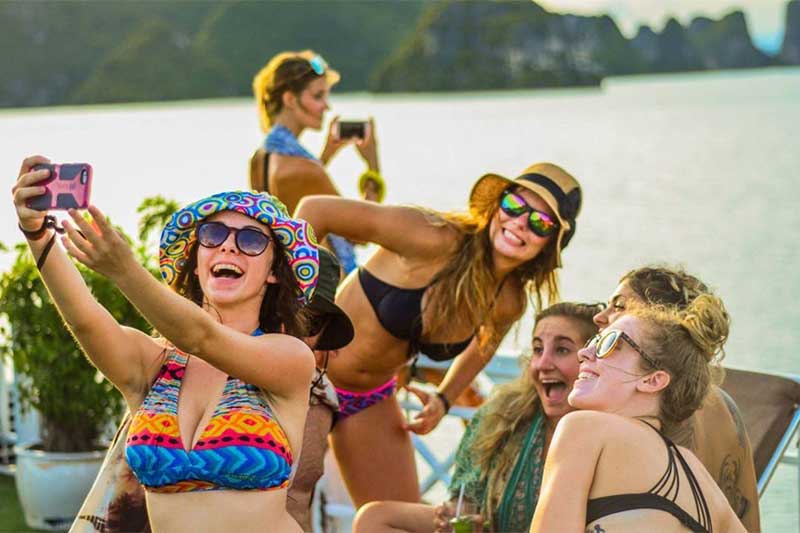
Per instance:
x=445, y=284
x=291, y=92
x=218, y=402
x=610, y=467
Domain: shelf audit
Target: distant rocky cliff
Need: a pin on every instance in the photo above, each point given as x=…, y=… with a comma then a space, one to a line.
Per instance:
x=494, y=45
x=790, y=51
x=56, y=52
x=498, y=45
x=705, y=44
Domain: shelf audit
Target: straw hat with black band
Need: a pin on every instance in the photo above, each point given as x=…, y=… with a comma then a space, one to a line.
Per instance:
x=338, y=331
x=557, y=187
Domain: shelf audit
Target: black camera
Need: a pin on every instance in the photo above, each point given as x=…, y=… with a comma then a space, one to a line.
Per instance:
x=350, y=129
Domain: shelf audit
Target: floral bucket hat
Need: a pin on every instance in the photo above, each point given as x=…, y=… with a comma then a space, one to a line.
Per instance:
x=296, y=235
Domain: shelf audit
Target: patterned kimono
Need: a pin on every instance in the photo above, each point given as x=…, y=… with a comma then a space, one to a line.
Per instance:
x=514, y=510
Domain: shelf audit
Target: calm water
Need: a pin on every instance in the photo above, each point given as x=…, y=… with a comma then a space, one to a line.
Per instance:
x=699, y=170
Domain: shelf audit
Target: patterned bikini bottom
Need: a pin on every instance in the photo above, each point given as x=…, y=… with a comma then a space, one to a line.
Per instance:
x=351, y=403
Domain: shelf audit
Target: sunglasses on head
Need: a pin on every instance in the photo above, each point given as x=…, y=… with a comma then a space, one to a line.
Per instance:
x=318, y=65
x=249, y=241
x=607, y=341
x=540, y=223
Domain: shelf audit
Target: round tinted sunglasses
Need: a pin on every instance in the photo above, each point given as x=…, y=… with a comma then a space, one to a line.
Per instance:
x=607, y=341
x=514, y=205
x=249, y=241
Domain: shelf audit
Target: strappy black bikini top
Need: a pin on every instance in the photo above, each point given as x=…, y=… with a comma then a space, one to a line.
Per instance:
x=399, y=311
x=661, y=497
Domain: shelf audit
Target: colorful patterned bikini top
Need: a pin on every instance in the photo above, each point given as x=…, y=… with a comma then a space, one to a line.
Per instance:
x=241, y=448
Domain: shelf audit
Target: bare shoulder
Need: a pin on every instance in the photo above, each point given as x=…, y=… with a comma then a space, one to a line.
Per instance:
x=288, y=345
x=724, y=517
x=696, y=465
x=288, y=365
x=295, y=350
x=598, y=417
x=598, y=422
x=287, y=166
x=603, y=427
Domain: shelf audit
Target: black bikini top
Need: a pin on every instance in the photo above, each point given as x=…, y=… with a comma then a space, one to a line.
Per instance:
x=399, y=311
x=661, y=497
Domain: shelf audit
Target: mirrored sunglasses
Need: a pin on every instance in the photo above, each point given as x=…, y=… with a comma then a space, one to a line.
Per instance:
x=607, y=341
x=249, y=241
x=540, y=223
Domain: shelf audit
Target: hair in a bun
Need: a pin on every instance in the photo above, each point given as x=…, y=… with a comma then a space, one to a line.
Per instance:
x=687, y=343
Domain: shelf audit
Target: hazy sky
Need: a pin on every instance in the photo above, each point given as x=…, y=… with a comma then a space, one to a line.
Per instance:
x=765, y=18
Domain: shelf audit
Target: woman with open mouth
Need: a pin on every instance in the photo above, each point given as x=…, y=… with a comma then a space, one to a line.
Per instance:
x=501, y=455
x=219, y=400
x=449, y=285
x=610, y=466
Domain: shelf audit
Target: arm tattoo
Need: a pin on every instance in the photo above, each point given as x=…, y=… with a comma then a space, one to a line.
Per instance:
x=730, y=471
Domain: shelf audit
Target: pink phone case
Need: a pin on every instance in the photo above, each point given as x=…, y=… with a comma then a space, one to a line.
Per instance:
x=68, y=187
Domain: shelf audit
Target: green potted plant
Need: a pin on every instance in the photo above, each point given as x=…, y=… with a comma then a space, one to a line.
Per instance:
x=75, y=402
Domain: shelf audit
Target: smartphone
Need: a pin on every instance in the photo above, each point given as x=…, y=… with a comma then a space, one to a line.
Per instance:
x=68, y=187
x=350, y=129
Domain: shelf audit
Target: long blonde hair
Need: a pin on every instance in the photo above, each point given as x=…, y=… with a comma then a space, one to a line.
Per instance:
x=465, y=288
x=513, y=405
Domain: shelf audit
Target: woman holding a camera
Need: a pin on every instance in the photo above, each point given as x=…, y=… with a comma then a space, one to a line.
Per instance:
x=291, y=92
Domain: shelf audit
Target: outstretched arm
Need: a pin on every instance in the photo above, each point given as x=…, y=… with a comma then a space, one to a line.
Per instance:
x=407, y=231
x=126, y=356
x=278, y=363
x=568, y=475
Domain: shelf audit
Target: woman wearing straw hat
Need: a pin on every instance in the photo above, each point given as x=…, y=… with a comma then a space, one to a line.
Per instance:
x=291, y=92
x=220, y=400
x=449, y=285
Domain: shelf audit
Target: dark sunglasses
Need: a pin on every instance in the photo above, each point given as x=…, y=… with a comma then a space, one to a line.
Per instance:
x=249, y=241
x=514, y=205
x=607, y=341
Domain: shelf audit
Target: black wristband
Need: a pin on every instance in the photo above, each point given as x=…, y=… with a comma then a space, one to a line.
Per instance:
x=48, y=222
x=444, y=401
